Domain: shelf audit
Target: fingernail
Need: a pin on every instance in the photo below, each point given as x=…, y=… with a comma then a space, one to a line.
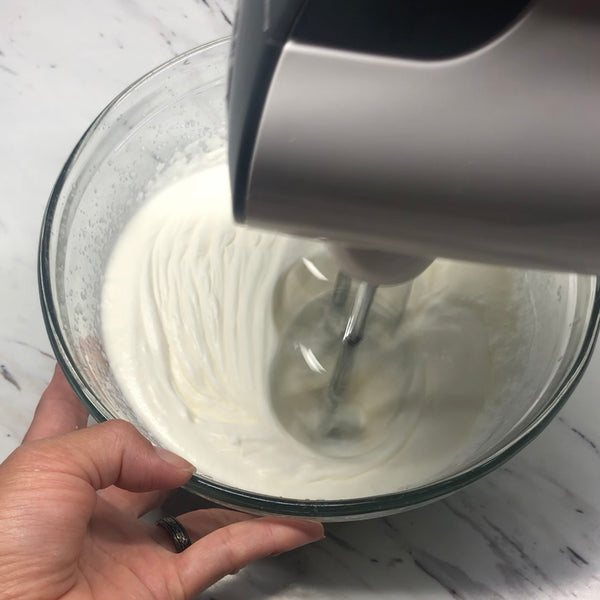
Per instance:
x=317, y=530
x=174, y=459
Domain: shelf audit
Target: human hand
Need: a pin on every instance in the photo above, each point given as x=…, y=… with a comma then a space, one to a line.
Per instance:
x=70, y=502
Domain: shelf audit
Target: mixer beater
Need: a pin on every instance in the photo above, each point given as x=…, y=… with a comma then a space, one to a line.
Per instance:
x=329, y=378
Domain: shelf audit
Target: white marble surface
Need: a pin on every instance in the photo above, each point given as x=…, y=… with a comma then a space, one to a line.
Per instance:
x=530, y=530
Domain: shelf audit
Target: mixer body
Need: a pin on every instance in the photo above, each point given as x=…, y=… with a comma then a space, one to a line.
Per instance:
x=466, y=130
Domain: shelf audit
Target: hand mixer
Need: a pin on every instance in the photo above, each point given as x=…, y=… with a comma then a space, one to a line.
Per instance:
x=402, y=131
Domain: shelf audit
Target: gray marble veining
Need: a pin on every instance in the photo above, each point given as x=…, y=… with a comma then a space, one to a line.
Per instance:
x=530, y=530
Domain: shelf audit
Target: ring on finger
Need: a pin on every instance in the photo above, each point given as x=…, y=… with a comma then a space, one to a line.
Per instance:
x=179, y=536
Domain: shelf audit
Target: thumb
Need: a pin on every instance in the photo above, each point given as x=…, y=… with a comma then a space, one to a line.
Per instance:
x=58, y=411
x=111, y=453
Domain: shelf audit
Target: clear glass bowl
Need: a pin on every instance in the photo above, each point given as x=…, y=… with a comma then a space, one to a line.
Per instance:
x=179, y=109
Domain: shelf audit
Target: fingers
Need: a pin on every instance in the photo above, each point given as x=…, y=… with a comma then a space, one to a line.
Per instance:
x=228, y=549
x=59, y=410
x=112, y=453
x=199, y=523
x=131, y=503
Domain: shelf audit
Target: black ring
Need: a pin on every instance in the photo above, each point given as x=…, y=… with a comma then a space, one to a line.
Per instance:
x=180, y=537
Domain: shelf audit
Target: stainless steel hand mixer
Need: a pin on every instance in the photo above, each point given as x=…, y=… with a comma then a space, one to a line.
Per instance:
x=401, y=131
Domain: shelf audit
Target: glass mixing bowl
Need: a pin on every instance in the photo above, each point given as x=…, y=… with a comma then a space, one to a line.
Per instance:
x=177, y=112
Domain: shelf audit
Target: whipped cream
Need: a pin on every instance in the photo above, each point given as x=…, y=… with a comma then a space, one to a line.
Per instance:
x=193, y=309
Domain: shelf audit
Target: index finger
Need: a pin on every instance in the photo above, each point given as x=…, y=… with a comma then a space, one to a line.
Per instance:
x=58, y=411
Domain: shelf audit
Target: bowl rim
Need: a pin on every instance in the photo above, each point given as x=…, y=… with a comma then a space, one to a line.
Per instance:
x=365, y=507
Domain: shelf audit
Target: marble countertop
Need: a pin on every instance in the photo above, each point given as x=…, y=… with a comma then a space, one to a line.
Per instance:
x=529, y=530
